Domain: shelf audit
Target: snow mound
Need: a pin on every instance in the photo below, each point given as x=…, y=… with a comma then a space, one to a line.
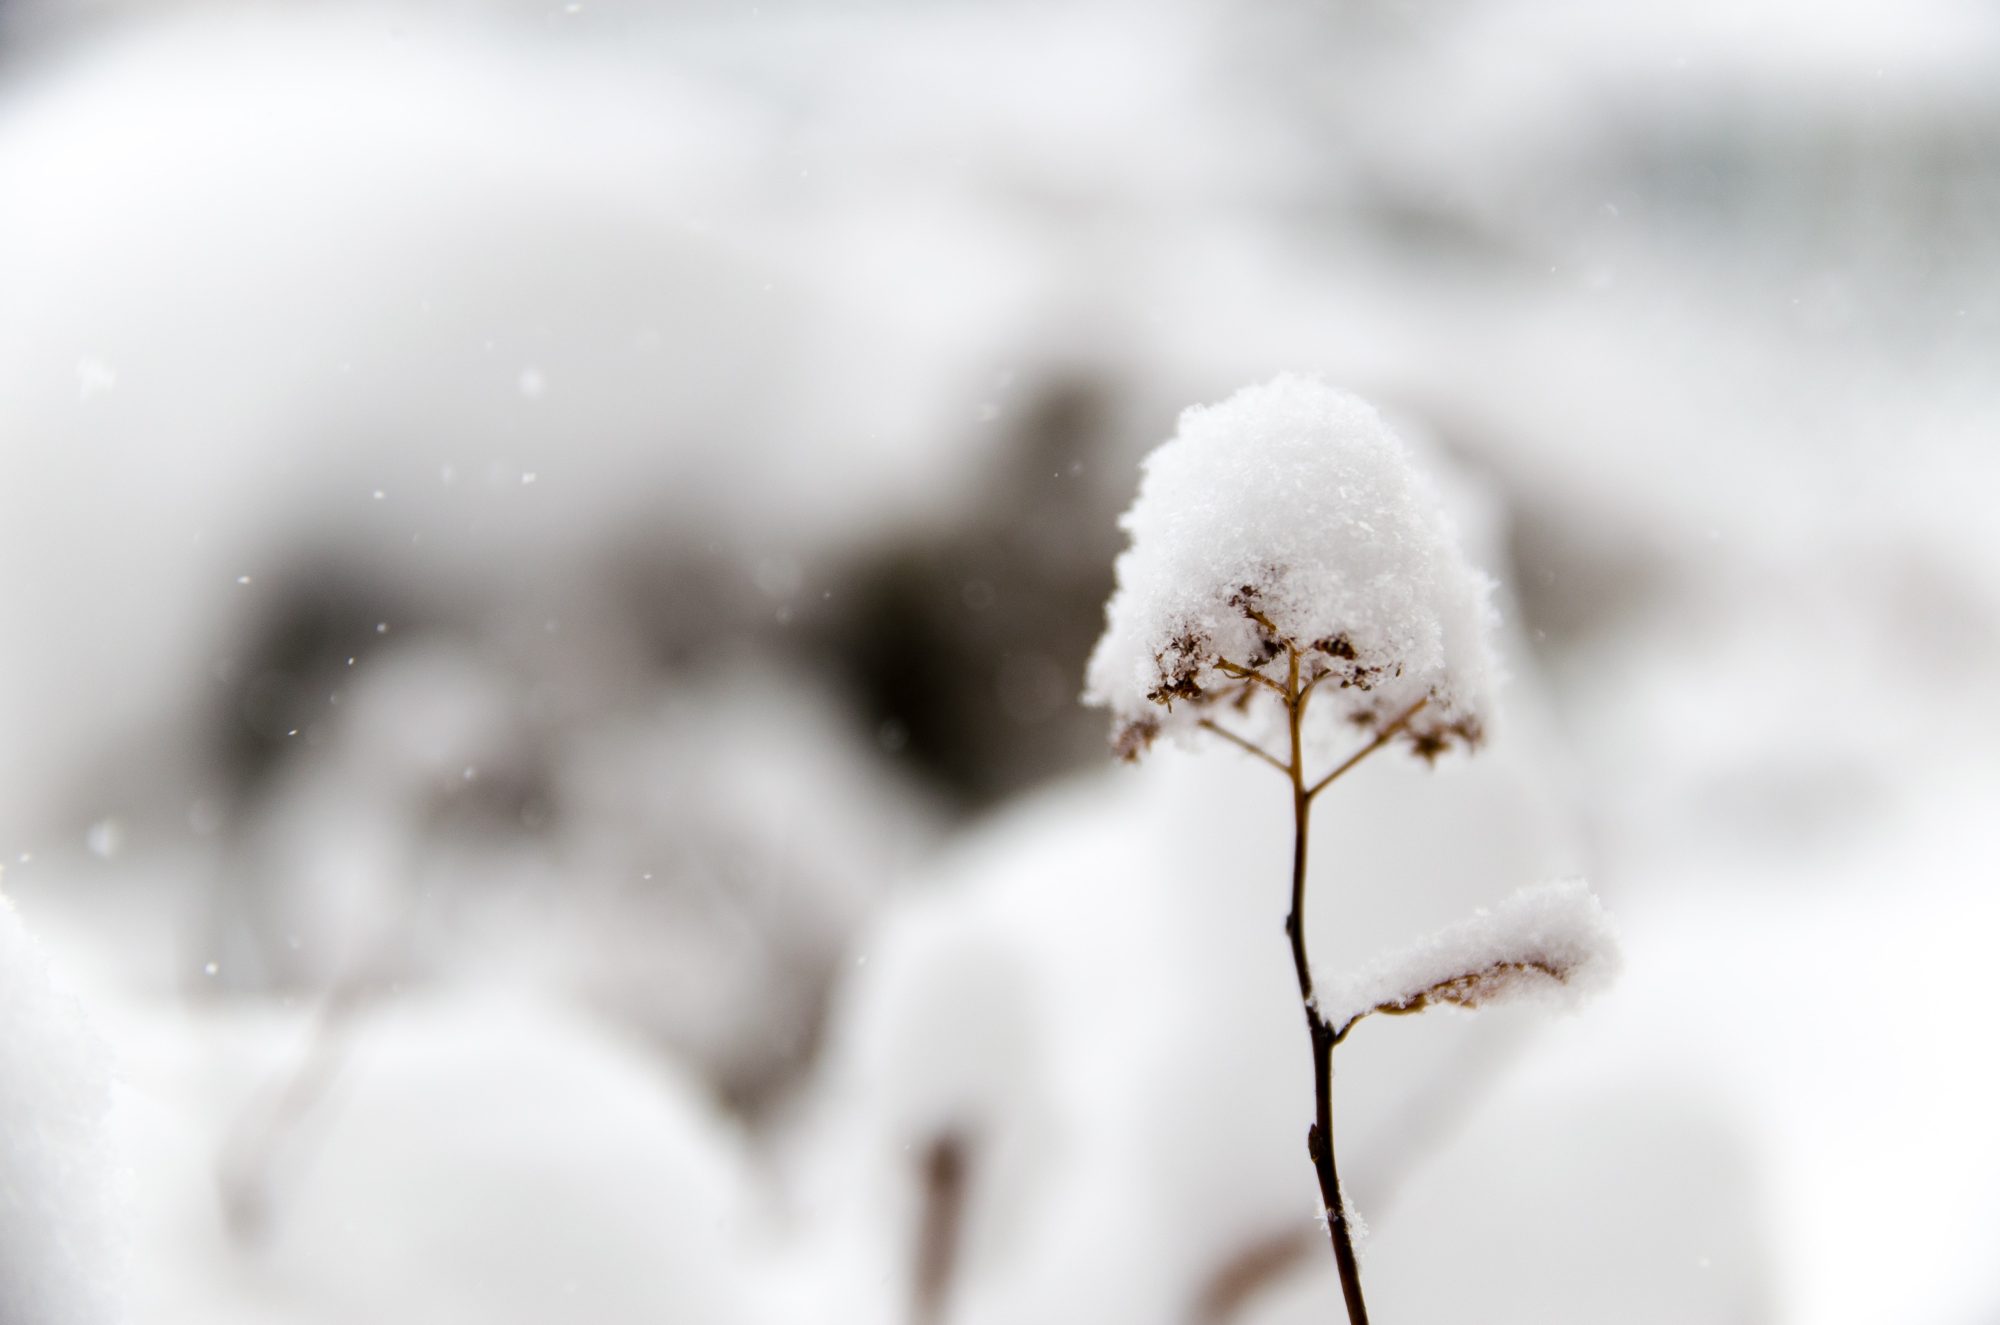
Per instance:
x=55, y=1253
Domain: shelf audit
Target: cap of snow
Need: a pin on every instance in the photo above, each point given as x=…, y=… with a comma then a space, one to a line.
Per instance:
x=1551, y=942
x=1291, y=518
x=55, y=1189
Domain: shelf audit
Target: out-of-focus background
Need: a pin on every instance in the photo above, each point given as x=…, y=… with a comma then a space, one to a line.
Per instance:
x=546, y=556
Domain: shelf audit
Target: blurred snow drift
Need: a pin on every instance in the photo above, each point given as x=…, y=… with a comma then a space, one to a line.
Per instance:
x=58, y=1187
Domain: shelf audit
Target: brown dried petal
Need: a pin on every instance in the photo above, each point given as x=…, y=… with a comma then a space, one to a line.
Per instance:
x=1134, y=739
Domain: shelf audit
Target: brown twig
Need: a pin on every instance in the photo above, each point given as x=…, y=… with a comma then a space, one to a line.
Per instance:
x=1265, y=622
x=1313, y=682
x=1242, y=673
x=1209, y=724
x=1382, y=738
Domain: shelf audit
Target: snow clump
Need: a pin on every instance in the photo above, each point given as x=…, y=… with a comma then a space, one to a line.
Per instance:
x=1290, y=519
x=1551, y=942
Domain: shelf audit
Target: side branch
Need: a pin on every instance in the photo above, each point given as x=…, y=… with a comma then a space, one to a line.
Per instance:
x=1382, y=738
x=1265, y=622
x=1209, y=724
x=1469, y=989
x=1242, y=673
x=1311, y=685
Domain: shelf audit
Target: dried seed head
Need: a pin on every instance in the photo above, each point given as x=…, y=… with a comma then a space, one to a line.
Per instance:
x=1288, y=520
x=1135, y=738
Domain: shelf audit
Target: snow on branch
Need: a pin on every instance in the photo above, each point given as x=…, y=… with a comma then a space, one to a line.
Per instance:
x=1290, y=521
x=1551, y=942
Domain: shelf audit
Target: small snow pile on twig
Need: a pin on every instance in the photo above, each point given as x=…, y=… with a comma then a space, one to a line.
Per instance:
x=1551, y=942
x=1291, y=519
x=54, y=1185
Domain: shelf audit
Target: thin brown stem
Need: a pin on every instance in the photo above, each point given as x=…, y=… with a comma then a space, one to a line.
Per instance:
x=945, y=1172
x=1382, y=738
x=1242, y=673
x=1319, y=1137
x=1209, y=724
x=1311, y=683
x=1263, y=621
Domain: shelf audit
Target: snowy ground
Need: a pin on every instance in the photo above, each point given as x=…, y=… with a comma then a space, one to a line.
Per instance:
x=548, y=552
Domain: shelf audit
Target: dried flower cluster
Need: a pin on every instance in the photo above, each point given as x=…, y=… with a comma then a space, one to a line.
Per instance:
x=1290, y=518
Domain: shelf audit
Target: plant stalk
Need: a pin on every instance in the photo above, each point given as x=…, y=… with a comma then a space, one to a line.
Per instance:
x=1319, y=1137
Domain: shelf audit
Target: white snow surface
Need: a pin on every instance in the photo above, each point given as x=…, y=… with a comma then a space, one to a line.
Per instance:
x=1301, y=494
x=55, y=1189
x=1550, y=942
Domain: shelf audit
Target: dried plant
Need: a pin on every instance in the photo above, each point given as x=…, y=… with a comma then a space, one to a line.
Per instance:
x=1292, y=576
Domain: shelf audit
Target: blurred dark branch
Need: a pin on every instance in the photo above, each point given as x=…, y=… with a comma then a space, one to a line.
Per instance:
x=1254, y=1267
x=939, y=1230
x=267, y=1133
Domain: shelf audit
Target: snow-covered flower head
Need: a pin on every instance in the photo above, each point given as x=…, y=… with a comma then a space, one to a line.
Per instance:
x=1290, y=520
